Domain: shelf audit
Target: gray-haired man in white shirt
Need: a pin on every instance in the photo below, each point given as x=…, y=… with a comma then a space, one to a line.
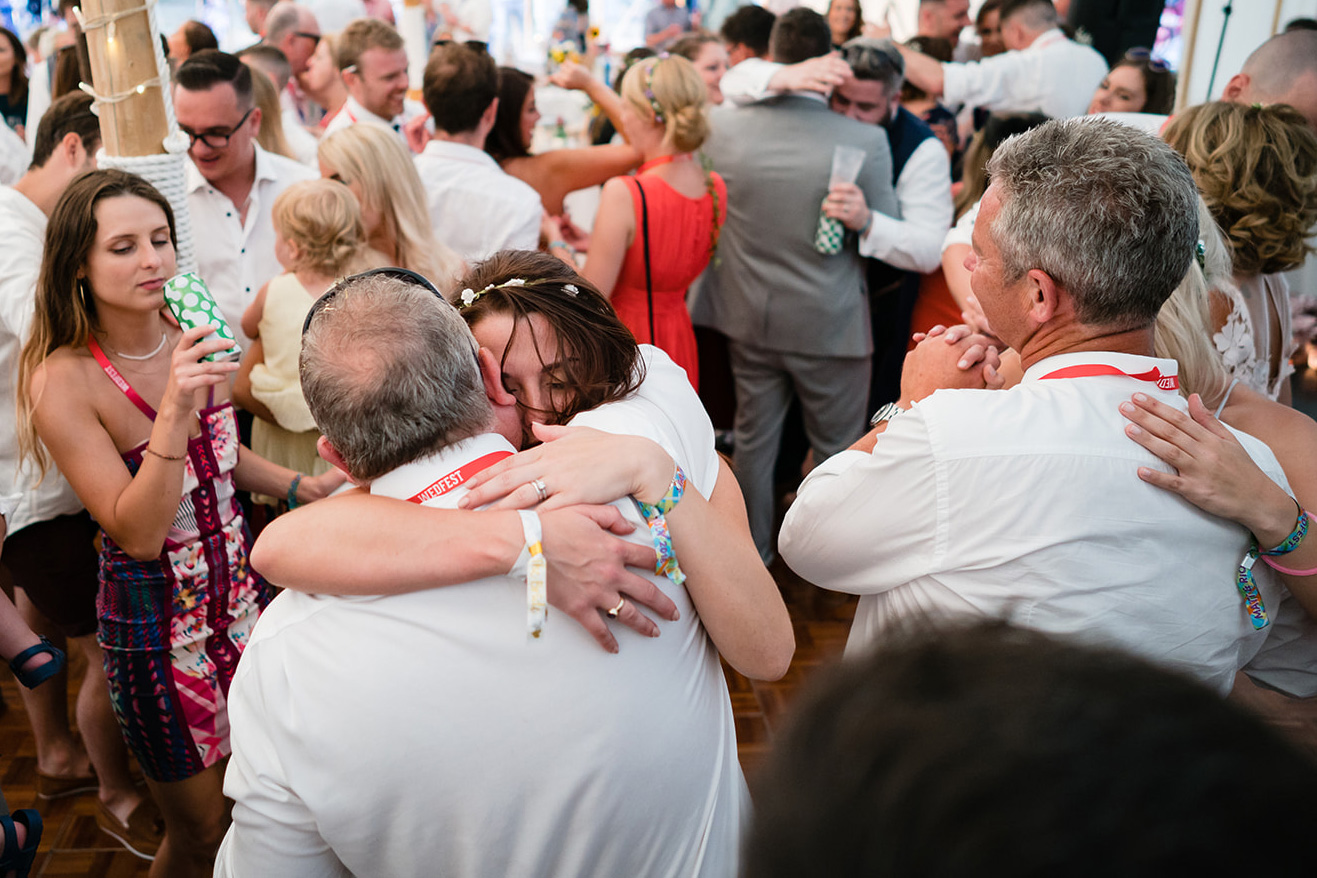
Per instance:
x=1026, y=503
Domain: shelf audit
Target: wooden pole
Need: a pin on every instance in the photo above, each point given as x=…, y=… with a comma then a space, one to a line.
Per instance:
x=123, y=58
x=1188, y=39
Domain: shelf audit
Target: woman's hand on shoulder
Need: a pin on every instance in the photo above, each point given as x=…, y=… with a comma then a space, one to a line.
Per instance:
x=1212, y=469
x=189, y=374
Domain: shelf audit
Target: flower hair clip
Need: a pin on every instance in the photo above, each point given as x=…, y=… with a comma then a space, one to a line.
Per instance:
x=469, y=297
x=649, y=89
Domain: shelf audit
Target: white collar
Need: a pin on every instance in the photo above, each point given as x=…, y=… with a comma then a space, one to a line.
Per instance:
x=1047, y=38
x=411, y=479
x=463, y=152
x=265, y=171
x=357, y=113
x=1130, y=364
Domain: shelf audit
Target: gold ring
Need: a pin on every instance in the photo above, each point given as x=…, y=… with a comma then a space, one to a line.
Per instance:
x=612, y=614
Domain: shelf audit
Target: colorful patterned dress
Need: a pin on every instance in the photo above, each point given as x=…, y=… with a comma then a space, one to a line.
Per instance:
x=172, y=628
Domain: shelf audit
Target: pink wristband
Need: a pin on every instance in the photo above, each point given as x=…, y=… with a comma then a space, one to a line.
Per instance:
x=1279, y=569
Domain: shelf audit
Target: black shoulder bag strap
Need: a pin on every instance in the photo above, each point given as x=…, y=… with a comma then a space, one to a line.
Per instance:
x=649, y=282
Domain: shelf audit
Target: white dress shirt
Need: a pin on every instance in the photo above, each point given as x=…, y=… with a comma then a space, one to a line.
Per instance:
x=20, y=265
x=14, y=155
x=911, y=242
x=923, y=190
x=1054, y=76
x=1025, y=504
x=469, y=749
x=236, y=258
x=302, y=142
x=477, y=209
x=352, y=112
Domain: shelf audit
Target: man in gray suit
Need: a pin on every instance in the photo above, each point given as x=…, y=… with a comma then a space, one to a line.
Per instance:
x=797, y=320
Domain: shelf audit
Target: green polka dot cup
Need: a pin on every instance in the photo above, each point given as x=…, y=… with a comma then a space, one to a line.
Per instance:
x=189, y=298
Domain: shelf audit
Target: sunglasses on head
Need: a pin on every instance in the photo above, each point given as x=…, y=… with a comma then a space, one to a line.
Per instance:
x=473, y=45
x=1143, y=55
x=402, y=274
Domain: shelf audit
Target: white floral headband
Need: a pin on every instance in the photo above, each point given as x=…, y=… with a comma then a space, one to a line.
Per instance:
x=469, y=296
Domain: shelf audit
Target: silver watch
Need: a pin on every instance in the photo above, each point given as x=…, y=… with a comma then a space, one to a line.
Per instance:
x=886, y=413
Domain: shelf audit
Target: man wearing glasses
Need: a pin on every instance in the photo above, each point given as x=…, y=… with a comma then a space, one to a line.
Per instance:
x=232, y=183
x=292, y=29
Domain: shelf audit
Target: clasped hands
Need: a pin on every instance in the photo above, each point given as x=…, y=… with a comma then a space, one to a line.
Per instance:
x=953, y=358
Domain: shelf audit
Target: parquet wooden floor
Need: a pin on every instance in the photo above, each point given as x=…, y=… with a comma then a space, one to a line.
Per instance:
x=72, y=844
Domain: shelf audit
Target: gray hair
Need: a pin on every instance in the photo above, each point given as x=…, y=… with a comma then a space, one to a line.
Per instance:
x=389, y=372
x=284, y=18
x=1108, y=212
x=875, y=60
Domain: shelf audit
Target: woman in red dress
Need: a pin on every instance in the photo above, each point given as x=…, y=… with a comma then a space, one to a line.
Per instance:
x=655, y=232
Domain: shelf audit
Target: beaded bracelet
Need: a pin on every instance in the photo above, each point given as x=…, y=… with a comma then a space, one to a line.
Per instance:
x=666, y=563
x=153, y=452
x=292, y=491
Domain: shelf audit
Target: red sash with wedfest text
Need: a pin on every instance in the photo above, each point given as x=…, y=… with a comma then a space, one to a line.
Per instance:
x=1089, y=370
x=457, y=477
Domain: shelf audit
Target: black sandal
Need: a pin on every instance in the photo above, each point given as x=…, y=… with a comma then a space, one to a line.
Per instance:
x=14, y=858
x=38, y=675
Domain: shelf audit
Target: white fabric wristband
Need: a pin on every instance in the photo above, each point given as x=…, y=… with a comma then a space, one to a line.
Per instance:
x=536, y=567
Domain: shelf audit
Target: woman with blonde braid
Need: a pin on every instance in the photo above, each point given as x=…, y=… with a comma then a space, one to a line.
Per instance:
x=655, y=232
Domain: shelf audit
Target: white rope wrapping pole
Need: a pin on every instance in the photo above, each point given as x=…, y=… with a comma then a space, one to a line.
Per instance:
x=168, y=171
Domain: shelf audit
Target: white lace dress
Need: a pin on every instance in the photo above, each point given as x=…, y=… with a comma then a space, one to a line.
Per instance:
x=1245, y=340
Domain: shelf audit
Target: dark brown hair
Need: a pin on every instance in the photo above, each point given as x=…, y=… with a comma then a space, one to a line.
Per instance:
x=459, y=85
x=596, y=352
x=68, y=114
x=504, y=141
x=18, y=76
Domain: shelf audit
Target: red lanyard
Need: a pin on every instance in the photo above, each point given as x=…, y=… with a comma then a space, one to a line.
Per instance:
x=1089, y=370
x=119, y=381
x=458, y=477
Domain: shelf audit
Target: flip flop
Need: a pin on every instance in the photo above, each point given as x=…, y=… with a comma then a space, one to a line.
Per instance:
x=14, y=858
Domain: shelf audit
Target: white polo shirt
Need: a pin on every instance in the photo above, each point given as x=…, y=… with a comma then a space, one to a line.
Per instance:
x=234, y=258
x=425, y=734
x=1025, y=504
x=477, y=208
x=20, y=265
x=1054, y=76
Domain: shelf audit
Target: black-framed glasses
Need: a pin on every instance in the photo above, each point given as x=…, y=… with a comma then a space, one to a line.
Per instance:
x=1140, y=54
x=314, y=38
x=216, y=139
x=405, y=275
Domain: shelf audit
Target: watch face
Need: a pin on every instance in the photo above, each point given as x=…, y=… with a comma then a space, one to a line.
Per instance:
x=886, y=413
